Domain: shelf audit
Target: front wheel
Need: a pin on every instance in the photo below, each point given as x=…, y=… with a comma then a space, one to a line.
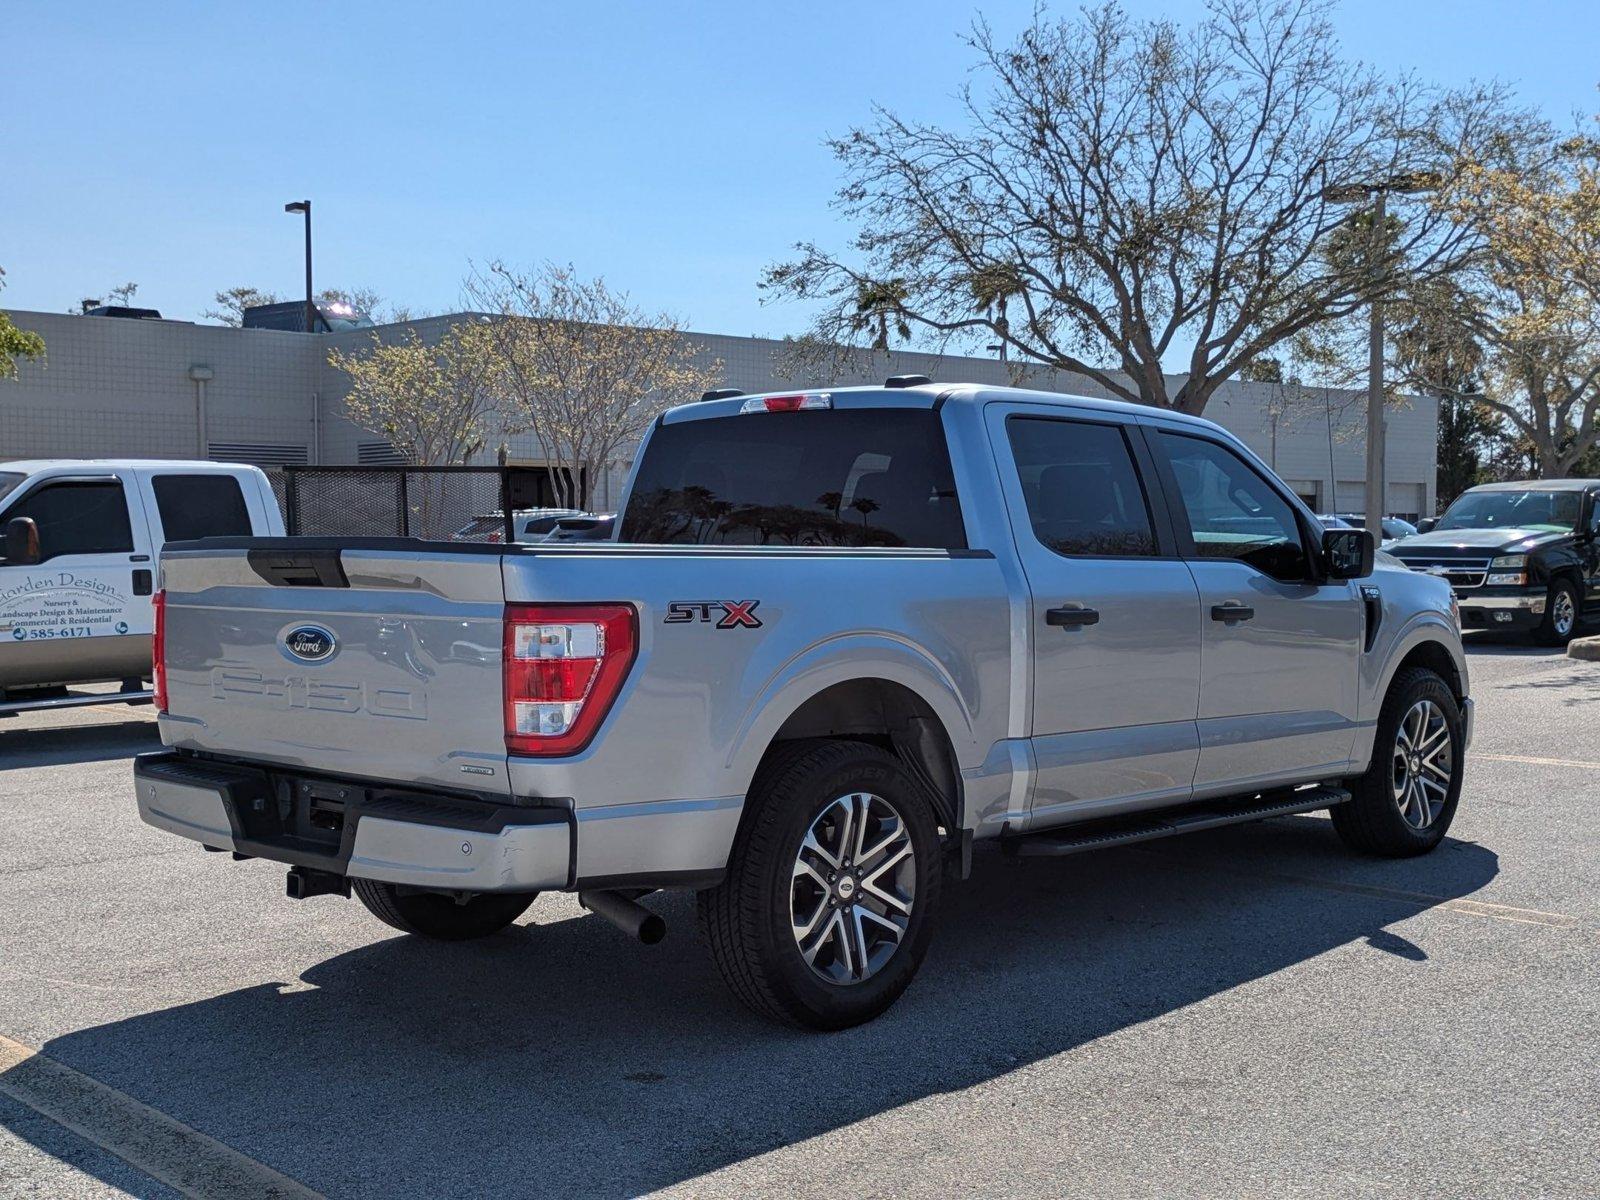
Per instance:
x=827, y=907
x=1406, y=800
x=444, y=918
x=1560, y=615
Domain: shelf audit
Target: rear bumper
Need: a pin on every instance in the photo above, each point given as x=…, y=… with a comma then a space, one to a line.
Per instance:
x=362, y=830
x=356, y=830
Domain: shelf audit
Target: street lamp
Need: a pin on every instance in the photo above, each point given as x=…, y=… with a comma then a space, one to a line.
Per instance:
x=304, y=206
x=1377, y=425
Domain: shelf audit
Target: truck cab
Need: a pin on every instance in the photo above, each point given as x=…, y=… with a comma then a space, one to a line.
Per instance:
x=79, y=564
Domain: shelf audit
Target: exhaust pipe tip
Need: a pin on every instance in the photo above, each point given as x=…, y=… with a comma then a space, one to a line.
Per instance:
x=627, y=914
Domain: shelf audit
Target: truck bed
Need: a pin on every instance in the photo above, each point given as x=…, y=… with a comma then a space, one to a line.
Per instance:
x=412, y=687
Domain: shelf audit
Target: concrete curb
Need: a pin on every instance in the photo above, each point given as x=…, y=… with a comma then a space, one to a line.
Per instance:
x=1586, y=648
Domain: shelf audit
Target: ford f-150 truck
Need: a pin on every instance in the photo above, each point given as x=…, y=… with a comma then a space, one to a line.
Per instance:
x=1521, y=556
x=841, y=636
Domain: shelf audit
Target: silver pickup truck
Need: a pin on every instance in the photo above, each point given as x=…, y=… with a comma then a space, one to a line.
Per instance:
x=841, y=637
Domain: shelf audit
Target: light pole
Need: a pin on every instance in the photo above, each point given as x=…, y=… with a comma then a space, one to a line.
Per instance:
x=304, y=206
x=1377, y=422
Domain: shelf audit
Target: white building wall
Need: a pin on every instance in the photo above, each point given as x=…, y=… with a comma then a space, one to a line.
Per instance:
x=121, y=387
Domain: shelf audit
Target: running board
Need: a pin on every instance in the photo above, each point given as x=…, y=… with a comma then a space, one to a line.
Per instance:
x=1145, y=827
x=75, y=700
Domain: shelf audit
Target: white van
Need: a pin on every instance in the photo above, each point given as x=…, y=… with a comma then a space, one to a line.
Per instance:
x=79, y=563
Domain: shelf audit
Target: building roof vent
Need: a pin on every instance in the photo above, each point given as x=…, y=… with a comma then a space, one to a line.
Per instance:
x=905, y=381
x=123, y=311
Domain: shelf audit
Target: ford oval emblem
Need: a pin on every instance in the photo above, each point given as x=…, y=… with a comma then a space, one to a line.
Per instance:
x=310, y=643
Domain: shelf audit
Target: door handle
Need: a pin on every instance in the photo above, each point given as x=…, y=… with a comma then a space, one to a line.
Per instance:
x=1071, y=616
x=142, y=583
x=1232, y=611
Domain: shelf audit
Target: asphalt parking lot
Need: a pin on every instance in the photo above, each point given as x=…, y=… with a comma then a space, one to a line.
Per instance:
x=1245, y=1012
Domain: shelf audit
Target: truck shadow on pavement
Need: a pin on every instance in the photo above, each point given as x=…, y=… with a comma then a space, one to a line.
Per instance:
x=76, y=743
x=558, y=1059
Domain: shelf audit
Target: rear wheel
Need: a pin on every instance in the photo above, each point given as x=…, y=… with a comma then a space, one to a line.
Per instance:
x=1560, y=615
x=827, y=907
x=1406, y=800
x=433, y=915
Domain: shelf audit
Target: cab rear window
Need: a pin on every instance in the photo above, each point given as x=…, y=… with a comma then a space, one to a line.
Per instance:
x=854, y=477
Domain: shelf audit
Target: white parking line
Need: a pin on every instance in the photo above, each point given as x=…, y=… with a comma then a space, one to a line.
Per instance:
x=165, y=1149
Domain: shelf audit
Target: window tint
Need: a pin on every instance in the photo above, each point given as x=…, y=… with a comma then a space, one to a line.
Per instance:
x=200, y=506
x=1082, y=491
x=10, y=481
x=862, y=477
x=1233, y=511
x=77, y=518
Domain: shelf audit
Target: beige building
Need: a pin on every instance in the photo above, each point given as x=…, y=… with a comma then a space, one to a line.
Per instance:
x=114, y=387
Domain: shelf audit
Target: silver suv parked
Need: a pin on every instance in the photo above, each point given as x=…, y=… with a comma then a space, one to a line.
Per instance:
x=841, y=637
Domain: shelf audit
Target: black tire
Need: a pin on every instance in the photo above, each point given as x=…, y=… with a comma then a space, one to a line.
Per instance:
x=432, y=915
x=1372, y=820
x=1562, y=613
x=747, y=919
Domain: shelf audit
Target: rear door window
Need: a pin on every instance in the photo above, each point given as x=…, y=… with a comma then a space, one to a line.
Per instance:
x=78, y=517
x=200, y=506
x=853, y=477
x=1081, y=488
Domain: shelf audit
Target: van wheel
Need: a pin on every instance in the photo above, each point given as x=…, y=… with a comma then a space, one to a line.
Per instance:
x=437, y=916
x=1560, y=615
x=827, y=907
x=1405, y=802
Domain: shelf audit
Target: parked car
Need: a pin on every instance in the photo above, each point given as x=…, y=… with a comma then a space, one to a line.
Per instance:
x=842, y=636
x=583, y=527
x=1520, y=556
x=532, y=525
x=82, y=548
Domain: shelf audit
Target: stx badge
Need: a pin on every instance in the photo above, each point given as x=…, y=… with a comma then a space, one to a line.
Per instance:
x=728, y=614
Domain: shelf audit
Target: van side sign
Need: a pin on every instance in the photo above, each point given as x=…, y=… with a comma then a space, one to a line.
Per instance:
x=728, y=614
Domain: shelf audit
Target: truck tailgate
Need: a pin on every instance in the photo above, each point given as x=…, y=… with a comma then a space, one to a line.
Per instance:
x=365, y=663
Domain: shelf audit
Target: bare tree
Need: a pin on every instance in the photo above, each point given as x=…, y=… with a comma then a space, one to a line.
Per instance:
x=231, y=303
x=584, y=369
x=1128, y=196
x=435, y=403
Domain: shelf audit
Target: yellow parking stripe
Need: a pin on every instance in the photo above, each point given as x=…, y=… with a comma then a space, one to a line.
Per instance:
x=165, y=1149
x=1537, y=762
x=1429, y=901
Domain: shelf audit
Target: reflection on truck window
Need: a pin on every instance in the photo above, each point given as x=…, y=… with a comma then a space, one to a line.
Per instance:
x=1080, y=486
x=8, y=484
x=1514, y=510
x=1234, y=512
x=200, y=506
x=77, y=518
x=865, y=477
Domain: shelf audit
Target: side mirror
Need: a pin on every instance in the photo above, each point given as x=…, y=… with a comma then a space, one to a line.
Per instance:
x=1348, y=553
x=22, y=542
x=1426, y=524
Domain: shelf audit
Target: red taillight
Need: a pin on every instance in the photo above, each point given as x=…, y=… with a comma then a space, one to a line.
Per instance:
x=799, y=403
x=158, y=650
x=563, y=665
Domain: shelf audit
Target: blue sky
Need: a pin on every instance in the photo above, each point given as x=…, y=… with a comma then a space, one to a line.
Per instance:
x=673, y=148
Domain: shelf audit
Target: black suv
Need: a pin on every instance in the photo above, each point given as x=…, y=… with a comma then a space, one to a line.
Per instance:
x=1519, y=555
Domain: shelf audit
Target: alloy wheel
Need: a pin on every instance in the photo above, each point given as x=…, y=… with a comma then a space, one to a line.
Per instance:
x=1565, y=613
x=1423, y=765
x=853, y=888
